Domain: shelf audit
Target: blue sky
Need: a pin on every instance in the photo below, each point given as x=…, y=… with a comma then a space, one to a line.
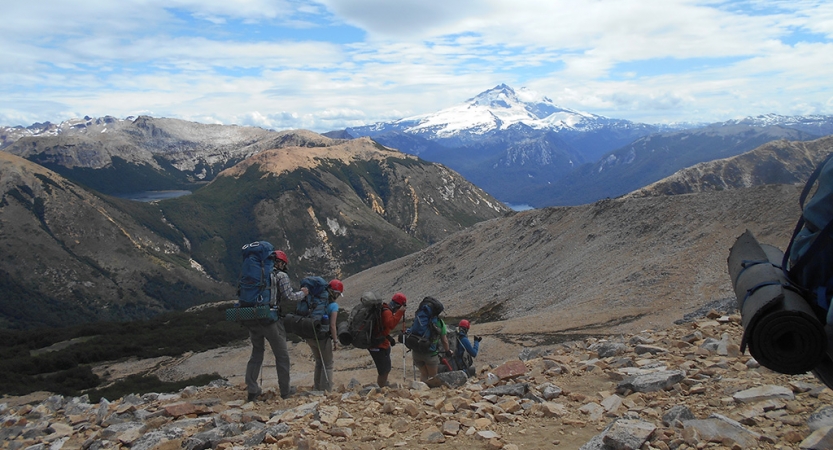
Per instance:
x=324, y=65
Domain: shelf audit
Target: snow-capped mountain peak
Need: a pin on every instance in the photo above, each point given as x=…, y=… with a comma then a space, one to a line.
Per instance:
x=496, y=109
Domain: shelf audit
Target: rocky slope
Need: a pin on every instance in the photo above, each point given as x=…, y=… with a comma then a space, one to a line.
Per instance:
x=686, y=387
x=70, y=255
x=616, y=265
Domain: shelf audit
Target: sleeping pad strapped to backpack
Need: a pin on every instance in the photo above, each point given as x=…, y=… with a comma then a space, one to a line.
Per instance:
x=254, y=286
x=363, y=328
x=306, y=322
x=422, y=335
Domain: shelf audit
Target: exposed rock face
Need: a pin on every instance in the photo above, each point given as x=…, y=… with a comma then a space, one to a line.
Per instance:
x=696, y=412
x=335, y=210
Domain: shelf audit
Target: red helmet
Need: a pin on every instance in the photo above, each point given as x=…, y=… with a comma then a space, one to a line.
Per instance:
x=464, y=324
x=280, y=256
x=336, y=285
x=399, y=298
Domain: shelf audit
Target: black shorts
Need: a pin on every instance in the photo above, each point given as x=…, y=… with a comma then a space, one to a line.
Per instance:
x=381, y=357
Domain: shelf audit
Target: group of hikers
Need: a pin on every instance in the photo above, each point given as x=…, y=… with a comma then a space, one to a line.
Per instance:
x=427, y=338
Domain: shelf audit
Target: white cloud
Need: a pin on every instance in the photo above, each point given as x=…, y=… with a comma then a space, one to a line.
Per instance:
x=334, y=63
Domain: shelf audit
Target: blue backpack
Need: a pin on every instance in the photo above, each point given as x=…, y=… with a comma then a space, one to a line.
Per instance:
x=254, y=286
x=808, y=260
x=422, y=335
x=315, y=303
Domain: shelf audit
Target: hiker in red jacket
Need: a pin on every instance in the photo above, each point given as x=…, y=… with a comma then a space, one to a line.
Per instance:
x=392, y=313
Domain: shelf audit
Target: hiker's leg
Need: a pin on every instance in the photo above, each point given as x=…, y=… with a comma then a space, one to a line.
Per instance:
x=317, y=374
x=423, y=373
x=277, y=340
x=432, y=369
x=325, y=382
x=255, y=360
x=420, y=361
x=381, y=357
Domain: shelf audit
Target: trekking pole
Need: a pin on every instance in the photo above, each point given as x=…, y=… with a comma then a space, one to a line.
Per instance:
x=403, y=349
x=321, y=357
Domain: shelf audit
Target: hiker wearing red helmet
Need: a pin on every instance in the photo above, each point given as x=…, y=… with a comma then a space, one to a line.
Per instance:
x=322, y=350
x=464, y=352
x=274, y=332
x=392, y=313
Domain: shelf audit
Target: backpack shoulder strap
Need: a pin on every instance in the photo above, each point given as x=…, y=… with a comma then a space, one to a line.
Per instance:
x=811, y=181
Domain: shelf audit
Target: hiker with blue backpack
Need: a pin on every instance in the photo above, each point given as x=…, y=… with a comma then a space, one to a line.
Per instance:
x=424, y=337
x=270, y=287
x=465, y=352
x=322, y=347
x=314, y=321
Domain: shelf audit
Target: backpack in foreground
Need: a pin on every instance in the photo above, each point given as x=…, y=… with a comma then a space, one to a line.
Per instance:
x=306, y=322
x=808, y=260
x=254, y=286
x=364, y=326
x=421, y=335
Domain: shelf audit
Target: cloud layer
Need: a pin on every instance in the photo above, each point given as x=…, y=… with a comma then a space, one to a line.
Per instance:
x=327, y=64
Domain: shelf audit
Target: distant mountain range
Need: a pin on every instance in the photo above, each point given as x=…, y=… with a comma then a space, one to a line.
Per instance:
x=655, y=157
x=517, y=145
x=116, y=156
x=522, y=148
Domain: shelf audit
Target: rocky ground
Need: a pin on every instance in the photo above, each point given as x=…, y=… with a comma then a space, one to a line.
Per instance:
x=683, y=387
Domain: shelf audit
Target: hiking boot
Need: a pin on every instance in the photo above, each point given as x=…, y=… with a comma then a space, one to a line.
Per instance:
x=292, y=391
x=252, y=397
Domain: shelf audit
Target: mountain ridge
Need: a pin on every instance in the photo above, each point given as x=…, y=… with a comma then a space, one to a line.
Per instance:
x=336, y=207
x=774, y=162
x=122, y=156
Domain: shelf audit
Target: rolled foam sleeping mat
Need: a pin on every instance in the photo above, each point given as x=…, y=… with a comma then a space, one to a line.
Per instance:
x=301, y=326
x=344, y=336
x=780, y=328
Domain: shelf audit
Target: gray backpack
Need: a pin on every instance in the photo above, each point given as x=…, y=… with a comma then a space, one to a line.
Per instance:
x=364, y=326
